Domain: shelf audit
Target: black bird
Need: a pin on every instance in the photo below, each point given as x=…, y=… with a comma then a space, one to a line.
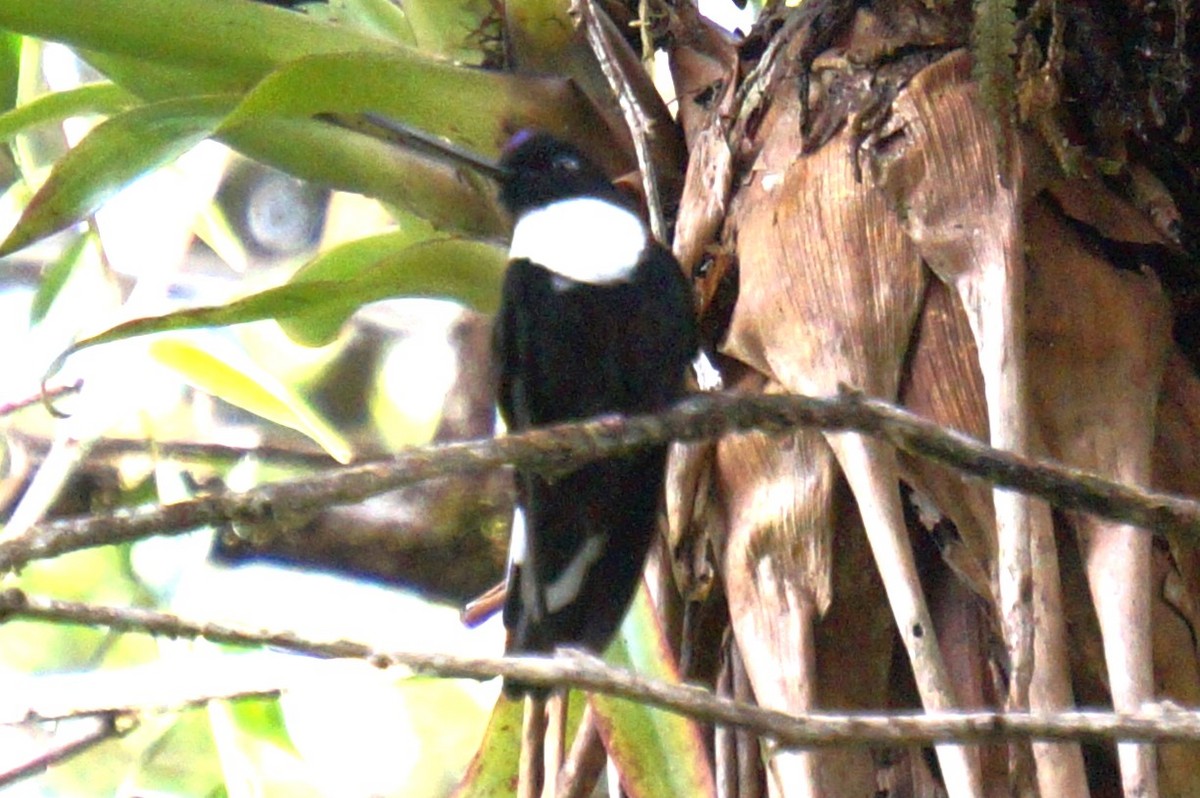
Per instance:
x=596, y=318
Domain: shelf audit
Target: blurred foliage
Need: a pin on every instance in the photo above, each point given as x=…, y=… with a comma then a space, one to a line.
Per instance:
x=153, y=81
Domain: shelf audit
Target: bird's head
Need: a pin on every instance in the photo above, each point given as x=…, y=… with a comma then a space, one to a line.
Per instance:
x=539, y=169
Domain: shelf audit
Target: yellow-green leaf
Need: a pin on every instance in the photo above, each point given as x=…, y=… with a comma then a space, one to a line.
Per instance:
x=493, y=771
x=93, y=98
x=229, y=44
x=365, y=271
x=313, y=310
x=57, y=273
x=380, y=17
x=10, y=68
x=408, y=86
x=657, y=753
x=341, y=159
x=224, y=370
x=452, y=29
x=113, y=155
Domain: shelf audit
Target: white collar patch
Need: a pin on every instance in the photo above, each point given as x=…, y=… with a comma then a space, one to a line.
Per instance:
x=585, y=240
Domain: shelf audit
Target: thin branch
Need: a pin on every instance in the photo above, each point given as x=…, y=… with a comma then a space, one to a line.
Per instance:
x=190, y=701
x=45, y=396
x=108, y=726
x=158, y=686
x=568, y=446
x=588, y=673
x=184, y=450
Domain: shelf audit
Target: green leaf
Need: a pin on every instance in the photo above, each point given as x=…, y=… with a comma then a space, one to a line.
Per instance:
x=450, y=199
x=174, y=754
x=10, y=69
x=274, y=303
x=493, y=771
x=411, y=87
x=313, y=310
x=377, y=268
x=382, y=18
x=113, y=155
x=256, y=753
x=93, y=98
x=657, y=753
x=447, y=721
x=228, y=44
x=57, y=274
x=225, y=371
x=261, y=718
x=452, y=29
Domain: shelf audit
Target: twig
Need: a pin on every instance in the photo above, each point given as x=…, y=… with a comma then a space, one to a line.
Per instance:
x=571, y=445
x=185, y=450
x=588, y=673
x=43, y=396
x=158, y=686
x=107, y=727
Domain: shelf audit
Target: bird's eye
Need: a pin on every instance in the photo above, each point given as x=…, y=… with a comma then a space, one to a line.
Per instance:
x=568, y=163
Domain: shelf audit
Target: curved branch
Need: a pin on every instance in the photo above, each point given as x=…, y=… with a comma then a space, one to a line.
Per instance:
x=567, y=446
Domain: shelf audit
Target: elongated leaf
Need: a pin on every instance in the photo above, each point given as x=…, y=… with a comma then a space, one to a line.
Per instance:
x=230, y=44
x=451, y=200
x=155, y=80
x=312, y=311
x=493, y=771
x=94, y=98
x=10, y=66
x=223, y=370
x=274, y=303
x=465, y=271
x=348, y=261
x=486, y=106
x=117, y=152
x=322, y=153
x=57, y=274
x=657, y=753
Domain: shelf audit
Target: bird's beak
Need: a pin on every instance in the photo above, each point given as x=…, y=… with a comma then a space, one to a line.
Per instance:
x=428, y=144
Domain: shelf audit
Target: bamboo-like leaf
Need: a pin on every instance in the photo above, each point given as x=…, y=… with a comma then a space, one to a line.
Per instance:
x=657, y=753
x=466, y=271
x=223, y=370
x=56, y=275
x=274, y=303
x=231, y=44
x=117, y=152
x=341, y=266
x=93, y=98
x=333, y=157
x=313, y=310
x=493, y=771
x=319, y=152
x=486, y=106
